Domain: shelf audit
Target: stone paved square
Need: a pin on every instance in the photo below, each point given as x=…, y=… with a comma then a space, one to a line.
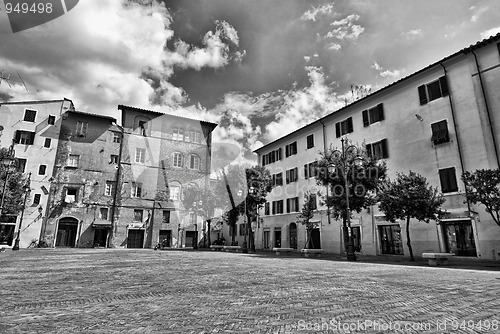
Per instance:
x=146, y=291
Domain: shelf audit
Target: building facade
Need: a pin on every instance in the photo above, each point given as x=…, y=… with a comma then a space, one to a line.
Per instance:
x=32, y=129
x=438, y=122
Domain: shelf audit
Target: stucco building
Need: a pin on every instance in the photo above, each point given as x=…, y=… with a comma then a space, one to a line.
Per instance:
x=439, y=122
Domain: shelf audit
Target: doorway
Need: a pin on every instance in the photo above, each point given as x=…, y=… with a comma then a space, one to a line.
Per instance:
x=135, y=239
x=459, y=238
x=165, y=239
x=66, y=232
x=293, y=235
x=390, y=239
x=315, y=240
x=100, y=237
x=191, y=239
x=277, y=237
x=266, y=239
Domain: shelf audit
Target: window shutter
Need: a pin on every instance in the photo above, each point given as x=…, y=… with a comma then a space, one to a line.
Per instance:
x=17, y=137
x=385, y=150
x=296, y=204
x=274, y=207
x=263, y=160
x=444, y=85
x=287, y=176
x=287, y=151
x=452, y=179
x=435, y=131
x=305, y=171
x=422, y=93
x=296, y=173
x=380, y=108
x=369, y=150
x=279, y=153
x=337, y=129
x=294, y=145
x=443, y=179
x=32, y=138
x=366, y=121
x=349, y=125
x=288, y=202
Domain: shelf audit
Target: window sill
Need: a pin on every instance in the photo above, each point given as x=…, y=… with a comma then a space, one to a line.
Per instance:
x=453, y=193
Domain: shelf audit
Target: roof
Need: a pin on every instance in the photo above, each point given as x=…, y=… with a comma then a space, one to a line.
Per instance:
x=94, y=115
x=36, y=101
x=121, y=107
x=466, y=50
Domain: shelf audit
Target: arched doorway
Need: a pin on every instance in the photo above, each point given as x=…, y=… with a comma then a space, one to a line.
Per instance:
x=293, y=235
x=66, y=232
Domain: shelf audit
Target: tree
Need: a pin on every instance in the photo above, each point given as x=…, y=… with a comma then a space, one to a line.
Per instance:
x=483, y=186
x=14, y=192
x=306, y=215
x=410, y=196
x=363, y=179
x=204, y=201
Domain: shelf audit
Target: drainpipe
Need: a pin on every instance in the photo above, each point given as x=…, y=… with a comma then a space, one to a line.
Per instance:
x=487, y=108
x=115, y=194
x=327, y=192
x=459, y=146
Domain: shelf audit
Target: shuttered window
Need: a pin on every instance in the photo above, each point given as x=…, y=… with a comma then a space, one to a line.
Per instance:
x=378, y=150
x=440, y=132
x=344, y=127
x=448, y=179
x=373, y=115
x=433, y=90
x=310, y=141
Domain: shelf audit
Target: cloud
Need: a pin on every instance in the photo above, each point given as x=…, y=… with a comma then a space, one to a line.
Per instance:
x=490, y=32
x=345, y=28
x=322, y=10
x=385, y=73
x=477, y=12
x=412, y=34
x=334, y=46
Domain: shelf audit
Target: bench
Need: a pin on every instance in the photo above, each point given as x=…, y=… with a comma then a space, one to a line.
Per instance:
x=437, y=258
x=284, y=250
x=216, y=247
x=312, y=252
x=232, y=248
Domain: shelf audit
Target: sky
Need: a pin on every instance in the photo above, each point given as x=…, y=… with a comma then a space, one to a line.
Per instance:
x=259, y=68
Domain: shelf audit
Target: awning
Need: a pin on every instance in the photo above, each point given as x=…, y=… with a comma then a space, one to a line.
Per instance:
x=101, y=223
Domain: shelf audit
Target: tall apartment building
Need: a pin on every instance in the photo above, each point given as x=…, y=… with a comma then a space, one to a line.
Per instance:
x=32, y=129
x=439, y=122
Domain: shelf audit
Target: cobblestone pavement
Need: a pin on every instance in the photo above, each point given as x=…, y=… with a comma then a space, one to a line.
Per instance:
x=146, y=291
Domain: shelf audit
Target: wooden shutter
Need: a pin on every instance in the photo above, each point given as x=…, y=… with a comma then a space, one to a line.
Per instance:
x=288, y=176
x=366, y=121
x=444, y=85
x=385, y=150
x=296, y=204
x=287, y=151
x=443, y=179
x=279, y=154
x=349, y=125
x=380, y=108
x=274, y=207
x=337, y=129
x=294, y=146
x=306, y=169
x=422, y=94
x=288, y=202
x=369, y=150
x=17, y=136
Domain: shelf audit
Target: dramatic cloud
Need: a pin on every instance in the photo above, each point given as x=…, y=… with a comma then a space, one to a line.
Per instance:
x=345, y=28
x=490, y=32
x=323, y=10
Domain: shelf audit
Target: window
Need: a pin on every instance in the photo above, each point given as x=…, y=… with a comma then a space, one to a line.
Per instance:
x=178, y=133
x=277, y=207
x=21, y=165
x=143, y=128
x=378, y=150
x=373, y=115
x=440, y=132
x=29, y=115
x=81, y=129
x=311, y=169
x=42, y=169
x=136, y=189
x=103, y=213
x=71, y=195
x=278, y=179
x=291, y=149
x=36, y=199
x=194, y=162
x=448, y=179
x=109, y=188
x=113, y=159
x=166, y=217
x=73, y=160
x=138, y=215
x=25, y=137
x=178, y=160
x=433, y=90
x=47, y=142
x=292, y=204
x=140, y=155
x=51, y=120
x=310, y=141
x=116, y=138
x=271, y=157
x=314, y=201
x=292, y=175
x=344, y=127
x=267, y=209
x=175, y=192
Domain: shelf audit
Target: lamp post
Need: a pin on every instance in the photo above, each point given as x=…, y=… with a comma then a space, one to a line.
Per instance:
x=342, y=155
x=27, y=189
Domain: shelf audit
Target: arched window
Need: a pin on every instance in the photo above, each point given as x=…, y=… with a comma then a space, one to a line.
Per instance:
x=175, y=189
x=177, y=160
x=194, y=162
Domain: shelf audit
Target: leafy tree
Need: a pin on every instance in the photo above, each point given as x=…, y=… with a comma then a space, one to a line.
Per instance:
x=483, y=186
x=14, y=192
x=363, y=179
x=305, y=216
x=410, y=196
x=206, y=208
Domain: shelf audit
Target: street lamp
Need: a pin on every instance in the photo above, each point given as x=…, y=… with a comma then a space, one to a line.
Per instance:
x=358, y=162
x=27, y=189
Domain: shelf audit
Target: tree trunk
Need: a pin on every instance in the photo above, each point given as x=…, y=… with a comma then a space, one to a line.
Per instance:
x=408, y=241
